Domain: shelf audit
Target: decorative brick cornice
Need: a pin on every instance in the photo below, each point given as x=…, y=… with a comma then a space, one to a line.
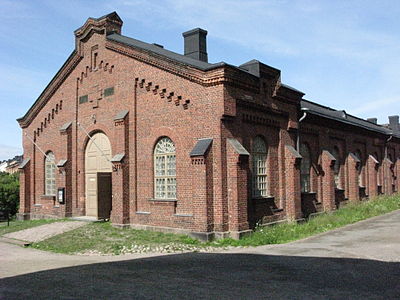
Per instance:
x=198, y=161
x=261, y=107
x=309, y=131
x=48, y=119
x=162, y=92
x=249, y=118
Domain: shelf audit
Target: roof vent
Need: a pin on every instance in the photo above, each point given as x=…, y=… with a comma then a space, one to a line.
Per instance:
x=340, y=114
x=373, y=120
x=158, y=45
x=196, y=44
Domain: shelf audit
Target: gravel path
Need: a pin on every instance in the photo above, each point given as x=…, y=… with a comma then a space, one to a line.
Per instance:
x=43, y=232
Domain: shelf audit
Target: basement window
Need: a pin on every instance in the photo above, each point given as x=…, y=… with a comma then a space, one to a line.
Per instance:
x=83, y=99
x=109, y=91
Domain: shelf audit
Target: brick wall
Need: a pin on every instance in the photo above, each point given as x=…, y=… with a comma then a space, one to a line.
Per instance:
x=163, y=97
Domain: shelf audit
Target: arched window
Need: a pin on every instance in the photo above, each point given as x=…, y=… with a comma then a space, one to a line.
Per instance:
x=50, y=174
x=359, y=168
x=259, y=157
x=165, y=169
x=336, y=167
x=305, y=168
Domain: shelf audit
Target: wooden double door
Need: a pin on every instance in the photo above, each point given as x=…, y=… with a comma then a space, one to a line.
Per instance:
x=98, y=177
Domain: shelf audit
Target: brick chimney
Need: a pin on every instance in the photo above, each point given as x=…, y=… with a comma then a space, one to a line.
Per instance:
x=394, y=123
x=196, y=44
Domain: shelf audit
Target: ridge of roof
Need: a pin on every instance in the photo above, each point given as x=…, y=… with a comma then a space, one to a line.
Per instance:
x=334, y=114
x=164, y=52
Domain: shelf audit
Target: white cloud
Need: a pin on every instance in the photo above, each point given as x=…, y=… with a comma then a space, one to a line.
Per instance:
x=7, y=152
x=22, y=83
x=377, y=108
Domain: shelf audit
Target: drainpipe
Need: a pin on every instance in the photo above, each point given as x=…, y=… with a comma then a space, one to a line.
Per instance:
x=386, y=143
x=304, y=110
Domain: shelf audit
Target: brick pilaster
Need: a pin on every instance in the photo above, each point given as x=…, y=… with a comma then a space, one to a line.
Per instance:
x=237, y=169
x=202, y=192
x=65, y=173
x=352, y=173
x=397, y=174
x=372, y=168
x=387, y=177
x=120, y=174
x=25, y=191
x=293, y=188
x=328, y=180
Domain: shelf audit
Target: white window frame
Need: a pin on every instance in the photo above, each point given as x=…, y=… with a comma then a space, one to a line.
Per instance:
x=50, y=174
x=260, y=168
x=164, y=157
x=337, y=168
x=305, y=168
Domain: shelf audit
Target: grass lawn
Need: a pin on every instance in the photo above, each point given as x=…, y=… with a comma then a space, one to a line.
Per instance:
x=102, y=238
x=284, y=233
x=21, y=225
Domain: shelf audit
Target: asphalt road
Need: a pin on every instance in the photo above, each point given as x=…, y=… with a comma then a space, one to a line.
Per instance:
x=361, y=261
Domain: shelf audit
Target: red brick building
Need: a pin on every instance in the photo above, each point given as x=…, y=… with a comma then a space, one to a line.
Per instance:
x=158, y=140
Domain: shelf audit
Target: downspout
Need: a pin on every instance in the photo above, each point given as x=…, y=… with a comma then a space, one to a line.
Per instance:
x=386, y=143
x=304, y=109
x=384, y=168
x=135, y=198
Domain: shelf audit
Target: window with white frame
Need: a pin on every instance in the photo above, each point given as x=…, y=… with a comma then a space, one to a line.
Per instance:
x=336, y=167
x=165, y=169
x=305, y=168
x=50, y=174
x=259, y=158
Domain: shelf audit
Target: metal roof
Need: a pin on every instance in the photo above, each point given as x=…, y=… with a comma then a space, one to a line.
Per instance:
x=201, y=147
x=342, y=116
x=62, y=163
x=24, y=163
x=118, y=157
x=161, y=51
x=121, y=115
x=65, y=126
x=238, y=147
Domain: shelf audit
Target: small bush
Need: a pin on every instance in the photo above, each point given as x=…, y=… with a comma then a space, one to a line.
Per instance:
x=9, y=193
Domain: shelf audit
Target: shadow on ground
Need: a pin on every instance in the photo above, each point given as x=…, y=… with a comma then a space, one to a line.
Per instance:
x=213, y=276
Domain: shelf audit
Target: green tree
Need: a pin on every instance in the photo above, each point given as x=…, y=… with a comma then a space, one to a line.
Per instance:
x=9, y=193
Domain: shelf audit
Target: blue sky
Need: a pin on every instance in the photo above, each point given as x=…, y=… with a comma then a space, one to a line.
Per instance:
x=343, y=54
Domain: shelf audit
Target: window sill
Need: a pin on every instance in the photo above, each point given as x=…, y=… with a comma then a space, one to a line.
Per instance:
x=263, y=198
x=184, y=215
x=163, y=200
x=143, y=213
x=48, y=197
x=309, y=193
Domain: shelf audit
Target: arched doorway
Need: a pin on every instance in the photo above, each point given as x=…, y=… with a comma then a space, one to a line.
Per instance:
x=98, y=170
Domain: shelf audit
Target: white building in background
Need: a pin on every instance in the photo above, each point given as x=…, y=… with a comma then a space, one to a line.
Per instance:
x=3, y=166
x=11, y=165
